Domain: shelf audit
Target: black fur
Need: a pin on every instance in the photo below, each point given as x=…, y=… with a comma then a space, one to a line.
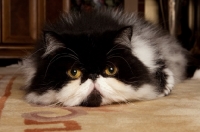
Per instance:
x=93, y=100
x=92, y=60
x=90, y=44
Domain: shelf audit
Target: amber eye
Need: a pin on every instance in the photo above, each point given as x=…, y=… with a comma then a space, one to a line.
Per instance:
x=111, y=70
x=74, y=73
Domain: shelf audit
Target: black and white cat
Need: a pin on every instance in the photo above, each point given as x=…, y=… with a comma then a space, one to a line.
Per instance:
x=104, y=57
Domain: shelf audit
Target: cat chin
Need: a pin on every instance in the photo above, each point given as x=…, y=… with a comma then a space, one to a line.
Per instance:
x=111, y=90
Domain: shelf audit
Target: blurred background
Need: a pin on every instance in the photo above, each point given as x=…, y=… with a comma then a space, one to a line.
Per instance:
x=21, y=21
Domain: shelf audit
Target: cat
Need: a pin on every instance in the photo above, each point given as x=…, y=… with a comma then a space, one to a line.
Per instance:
x=104, y=57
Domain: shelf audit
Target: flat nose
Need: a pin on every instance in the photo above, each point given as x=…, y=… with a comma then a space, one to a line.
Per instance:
x=93, y=76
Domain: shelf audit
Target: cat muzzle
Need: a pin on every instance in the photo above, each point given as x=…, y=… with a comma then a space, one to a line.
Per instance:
x=94, y=99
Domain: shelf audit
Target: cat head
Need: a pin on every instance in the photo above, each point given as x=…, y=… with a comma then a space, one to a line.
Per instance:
x=88, y=69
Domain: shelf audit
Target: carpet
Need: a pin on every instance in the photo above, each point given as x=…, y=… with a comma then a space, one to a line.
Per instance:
x=178, y=112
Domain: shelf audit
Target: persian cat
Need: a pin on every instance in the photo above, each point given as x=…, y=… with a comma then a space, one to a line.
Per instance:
x=104, y=57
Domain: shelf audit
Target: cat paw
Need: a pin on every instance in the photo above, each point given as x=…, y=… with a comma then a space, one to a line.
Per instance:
x=165, y=78
x=169, y=81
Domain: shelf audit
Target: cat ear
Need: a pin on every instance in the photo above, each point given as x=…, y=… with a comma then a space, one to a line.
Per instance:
x=124, y=36
x=52, y=43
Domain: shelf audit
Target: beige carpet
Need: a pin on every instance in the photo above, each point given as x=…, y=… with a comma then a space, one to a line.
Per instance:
x=178, y=112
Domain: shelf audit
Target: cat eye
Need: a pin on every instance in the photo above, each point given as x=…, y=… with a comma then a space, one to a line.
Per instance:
x=111, y=70
x=74, y=73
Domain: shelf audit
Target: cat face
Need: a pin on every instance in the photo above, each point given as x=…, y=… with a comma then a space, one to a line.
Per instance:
x=89, y=70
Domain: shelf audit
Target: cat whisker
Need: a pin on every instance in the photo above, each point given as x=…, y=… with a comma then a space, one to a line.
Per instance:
x=73, y=56
x=18, y=70
x=123, y=102
x=124, y=99
x=60, y=104
x=110, y=62
x=49, y=65
x=52, y=104
x=33, y=53
x=73, y=52
x=115, y=48
x=112, y=49
x=56, y=58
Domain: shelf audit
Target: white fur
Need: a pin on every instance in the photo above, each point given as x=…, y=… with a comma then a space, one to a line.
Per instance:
x=145, y=43
x=196, y=74
x=45, y=99
x=144, y=52
x=175, y=60
x=113, y=90
x=169, y=80
x=51, y=48
x=73, y=93
x=51, y=45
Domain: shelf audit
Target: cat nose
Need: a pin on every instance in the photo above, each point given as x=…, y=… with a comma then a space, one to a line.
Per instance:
x=93, y=76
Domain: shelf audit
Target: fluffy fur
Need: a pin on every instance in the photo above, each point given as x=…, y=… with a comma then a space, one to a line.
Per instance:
x=104, y=57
